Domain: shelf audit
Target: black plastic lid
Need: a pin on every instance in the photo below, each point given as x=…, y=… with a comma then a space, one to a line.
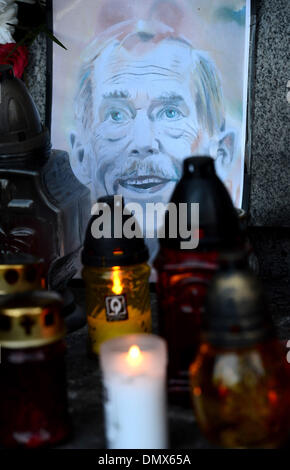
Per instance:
x=236, y=313
x=111, y=251
x=21, y=131
x=219, y=226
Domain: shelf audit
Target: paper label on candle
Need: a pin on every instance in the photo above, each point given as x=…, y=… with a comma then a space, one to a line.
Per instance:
x=116, y=308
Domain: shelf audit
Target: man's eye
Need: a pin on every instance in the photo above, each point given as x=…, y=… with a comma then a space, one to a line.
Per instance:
x=118, y=116
x=170, y=113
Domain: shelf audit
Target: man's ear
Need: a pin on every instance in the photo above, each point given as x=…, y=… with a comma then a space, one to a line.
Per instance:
x=226, y=148
x=78, y=161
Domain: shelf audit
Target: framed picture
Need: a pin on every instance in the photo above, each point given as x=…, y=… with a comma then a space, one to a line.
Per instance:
x=143, y=85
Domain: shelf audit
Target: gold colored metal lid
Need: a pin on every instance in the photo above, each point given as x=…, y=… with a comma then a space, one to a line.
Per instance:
x=30, y=319
x=20, y=273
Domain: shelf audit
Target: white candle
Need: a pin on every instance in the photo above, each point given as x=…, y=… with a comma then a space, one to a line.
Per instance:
x=134, y=373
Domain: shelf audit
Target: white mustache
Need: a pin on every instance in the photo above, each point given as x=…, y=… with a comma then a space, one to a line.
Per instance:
x=148, y=167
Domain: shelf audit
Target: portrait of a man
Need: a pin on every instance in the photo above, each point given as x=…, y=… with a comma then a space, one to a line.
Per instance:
x=145, y=98
x=146, y=101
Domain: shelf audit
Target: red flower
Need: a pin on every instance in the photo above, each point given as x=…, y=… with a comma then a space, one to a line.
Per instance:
x=17, y=58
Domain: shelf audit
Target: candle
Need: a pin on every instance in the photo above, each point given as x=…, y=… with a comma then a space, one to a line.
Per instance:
x=134, y=373
x=186, y=273
x=33, y=399
x=116, y=275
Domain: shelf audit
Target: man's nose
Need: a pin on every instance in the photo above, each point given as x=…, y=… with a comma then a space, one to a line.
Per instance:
x=144, y=142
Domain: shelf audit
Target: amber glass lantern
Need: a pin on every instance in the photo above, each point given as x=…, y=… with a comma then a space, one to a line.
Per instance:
x=116, y=275
x=240, y=382
x=33, y=402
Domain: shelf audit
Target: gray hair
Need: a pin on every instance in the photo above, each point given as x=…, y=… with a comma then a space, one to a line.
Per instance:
x=206, y=83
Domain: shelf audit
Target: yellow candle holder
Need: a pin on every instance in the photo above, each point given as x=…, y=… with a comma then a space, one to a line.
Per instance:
x=116, y=275
x=118, y=302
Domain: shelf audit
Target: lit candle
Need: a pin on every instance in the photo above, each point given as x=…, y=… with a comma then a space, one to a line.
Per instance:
x=134, y=373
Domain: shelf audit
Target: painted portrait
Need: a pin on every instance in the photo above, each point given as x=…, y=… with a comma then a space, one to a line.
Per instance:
x=143, y=85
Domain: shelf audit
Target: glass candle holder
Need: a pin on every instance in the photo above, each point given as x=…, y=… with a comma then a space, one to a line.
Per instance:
x=240, y=379
x=242, y=397
x=134, y=373
x=183, y=279
x=118, y=302
x=116, y=275
x=20, y=273
x=185, y=274
x=33, y=402
x=40, y=195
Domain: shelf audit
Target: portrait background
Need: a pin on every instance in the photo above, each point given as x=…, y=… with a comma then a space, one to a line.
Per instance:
x=220, y=27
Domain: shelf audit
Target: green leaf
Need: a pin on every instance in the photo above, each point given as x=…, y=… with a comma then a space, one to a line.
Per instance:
x=32, y=34
x=53, y=38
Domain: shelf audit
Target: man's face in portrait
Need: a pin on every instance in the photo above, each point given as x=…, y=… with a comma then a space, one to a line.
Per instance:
x=144, y=120
x=147, y=106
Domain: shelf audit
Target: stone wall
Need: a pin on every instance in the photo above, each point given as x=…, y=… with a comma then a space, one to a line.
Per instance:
x=270, y=163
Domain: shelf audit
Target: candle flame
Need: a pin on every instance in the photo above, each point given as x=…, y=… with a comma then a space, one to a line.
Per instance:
x=117, y=286
x=134, y=355
x=134, y=351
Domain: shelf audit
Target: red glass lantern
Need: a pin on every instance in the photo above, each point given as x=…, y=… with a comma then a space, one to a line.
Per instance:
x=33, y=402
x=184, y=275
